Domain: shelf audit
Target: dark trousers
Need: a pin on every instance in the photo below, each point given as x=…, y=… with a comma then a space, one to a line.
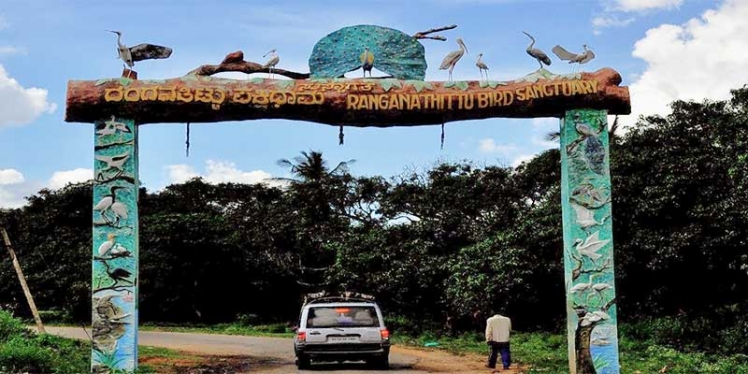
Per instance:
x=495, y=349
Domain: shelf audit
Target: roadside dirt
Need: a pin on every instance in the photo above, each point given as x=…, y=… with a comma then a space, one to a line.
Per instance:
x=435, y=361
x=427, y=360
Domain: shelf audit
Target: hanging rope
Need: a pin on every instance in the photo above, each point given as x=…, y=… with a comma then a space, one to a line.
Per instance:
x=187, y=142
x=442, y=146
x=340, y=136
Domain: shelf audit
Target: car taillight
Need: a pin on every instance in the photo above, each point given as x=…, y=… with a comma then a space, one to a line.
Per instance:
x=301, y=336
x=385, y=334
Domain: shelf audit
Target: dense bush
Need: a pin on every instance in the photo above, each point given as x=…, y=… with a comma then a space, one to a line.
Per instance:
x=24, y=352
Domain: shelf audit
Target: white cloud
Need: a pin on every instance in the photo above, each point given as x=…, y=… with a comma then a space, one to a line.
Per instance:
x=606, y=21
x=617, y=13
x=703, y=58
x=19, y=105
x=9, y=199
x=3, y=23
x=642, y=5
x=61, y=179
x=181, y=173
x=488, y=145
x=14, y=187
x=10, y=176
x=11, y=188
x=8, y=50
x=219, y=172
x=520, y=159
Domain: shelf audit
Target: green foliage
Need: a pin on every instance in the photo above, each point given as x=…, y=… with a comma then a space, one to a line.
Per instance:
x=22, y=351
x=19, y=355
x=10, y=327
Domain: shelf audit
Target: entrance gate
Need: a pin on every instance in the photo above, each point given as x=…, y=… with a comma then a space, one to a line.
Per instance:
x=118, y=106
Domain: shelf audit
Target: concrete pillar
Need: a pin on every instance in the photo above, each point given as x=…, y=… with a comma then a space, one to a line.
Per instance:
x=115, y=247
x=588, y=243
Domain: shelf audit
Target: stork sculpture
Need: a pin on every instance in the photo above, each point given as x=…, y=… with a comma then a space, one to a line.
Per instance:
x=536, y=53
x=272, y=62
x=140, y=52
x=578, y=58
x=451, y=59
x=481, y=66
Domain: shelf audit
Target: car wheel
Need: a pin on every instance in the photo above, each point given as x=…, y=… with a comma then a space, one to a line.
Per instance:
x=303, y=362
x=380, y=362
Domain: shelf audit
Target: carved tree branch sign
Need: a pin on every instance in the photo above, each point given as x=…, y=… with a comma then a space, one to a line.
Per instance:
x=350, y=102
x=117, y=106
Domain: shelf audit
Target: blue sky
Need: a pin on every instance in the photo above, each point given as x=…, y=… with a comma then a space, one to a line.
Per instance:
x=664, y=49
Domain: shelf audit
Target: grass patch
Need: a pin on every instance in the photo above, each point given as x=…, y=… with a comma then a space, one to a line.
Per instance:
x=23, y=351
x=546, y=353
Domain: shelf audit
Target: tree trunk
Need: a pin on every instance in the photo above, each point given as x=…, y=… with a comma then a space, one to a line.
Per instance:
x=584, y=355
x=22, y=280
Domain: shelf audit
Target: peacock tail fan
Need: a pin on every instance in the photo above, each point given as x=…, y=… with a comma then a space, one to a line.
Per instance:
x=594, y=152
x=395, y=53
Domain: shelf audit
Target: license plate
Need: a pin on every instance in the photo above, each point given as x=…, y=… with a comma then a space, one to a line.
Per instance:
x=342, y=339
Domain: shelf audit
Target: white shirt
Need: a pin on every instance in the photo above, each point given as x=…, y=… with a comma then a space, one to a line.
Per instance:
x=498, y=328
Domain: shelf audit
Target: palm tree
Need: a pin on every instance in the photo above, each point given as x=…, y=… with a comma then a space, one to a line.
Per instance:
x=311, y=167
x=319, y=194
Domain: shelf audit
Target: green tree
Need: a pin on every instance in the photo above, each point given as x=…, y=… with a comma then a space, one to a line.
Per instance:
x=318, y=197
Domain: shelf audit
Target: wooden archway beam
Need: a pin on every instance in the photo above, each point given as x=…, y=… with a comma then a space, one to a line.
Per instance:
x=351, y=102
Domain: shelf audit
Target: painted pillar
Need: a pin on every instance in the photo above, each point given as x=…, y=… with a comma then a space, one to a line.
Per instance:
x=115, y=247
x=588, y=243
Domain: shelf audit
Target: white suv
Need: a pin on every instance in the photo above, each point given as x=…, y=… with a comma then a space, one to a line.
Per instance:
x=342, y=329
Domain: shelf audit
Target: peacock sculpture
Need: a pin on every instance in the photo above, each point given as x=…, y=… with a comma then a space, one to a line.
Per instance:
x=388, y=50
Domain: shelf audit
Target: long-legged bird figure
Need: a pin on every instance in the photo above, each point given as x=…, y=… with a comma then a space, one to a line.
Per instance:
x=482, y=67
x=536, y=53
x=272, y=62
x=578, y=58
x=140, y=52
x=451, y=59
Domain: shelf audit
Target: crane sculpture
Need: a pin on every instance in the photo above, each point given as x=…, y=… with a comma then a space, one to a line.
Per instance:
x=272, y=62
x=536, y=53
x=578, y=58
x=481, y=66
x=451, y=59
x=140, y=52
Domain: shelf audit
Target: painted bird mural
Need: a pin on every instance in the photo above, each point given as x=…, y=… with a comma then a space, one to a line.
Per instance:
x=594, y=150
x=392, y=51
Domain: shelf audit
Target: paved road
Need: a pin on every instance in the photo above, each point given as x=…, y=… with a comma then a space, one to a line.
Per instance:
x=278, y=352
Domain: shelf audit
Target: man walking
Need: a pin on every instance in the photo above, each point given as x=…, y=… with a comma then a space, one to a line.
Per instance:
x=498, y=328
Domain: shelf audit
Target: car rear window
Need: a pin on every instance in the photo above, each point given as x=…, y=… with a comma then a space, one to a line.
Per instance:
x=343, y=316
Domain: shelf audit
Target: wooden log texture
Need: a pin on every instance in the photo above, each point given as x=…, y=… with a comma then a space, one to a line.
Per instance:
x=350, y=102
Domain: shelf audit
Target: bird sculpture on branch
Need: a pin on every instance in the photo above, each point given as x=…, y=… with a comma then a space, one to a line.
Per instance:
x=272, y=62
x=451, y=59
x=579, y=58
x=536, y=53
x=140, y=52
x=482, y=67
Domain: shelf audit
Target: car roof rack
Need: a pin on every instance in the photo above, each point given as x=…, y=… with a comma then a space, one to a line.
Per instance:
x=322, y=297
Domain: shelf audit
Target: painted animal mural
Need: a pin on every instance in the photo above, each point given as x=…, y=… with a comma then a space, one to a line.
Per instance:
x=115, y=247
x=588, y=243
